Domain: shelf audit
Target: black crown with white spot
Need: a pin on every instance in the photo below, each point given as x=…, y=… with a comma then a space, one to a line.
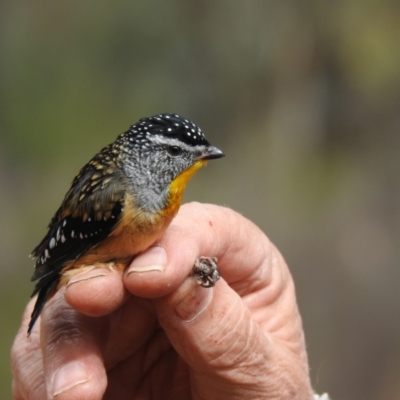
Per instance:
x=170, y=125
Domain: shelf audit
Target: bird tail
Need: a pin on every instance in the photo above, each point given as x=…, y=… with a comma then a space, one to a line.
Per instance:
x=45, y=288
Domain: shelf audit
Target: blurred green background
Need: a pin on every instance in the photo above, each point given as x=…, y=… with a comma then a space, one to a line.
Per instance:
x=304, y=98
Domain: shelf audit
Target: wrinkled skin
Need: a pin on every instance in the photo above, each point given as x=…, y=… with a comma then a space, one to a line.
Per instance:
x=155, y=334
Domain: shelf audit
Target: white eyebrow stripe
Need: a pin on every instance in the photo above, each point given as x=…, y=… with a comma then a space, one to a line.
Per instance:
x=175, y=142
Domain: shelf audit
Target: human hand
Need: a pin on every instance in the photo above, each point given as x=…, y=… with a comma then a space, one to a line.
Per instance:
x=156, y=334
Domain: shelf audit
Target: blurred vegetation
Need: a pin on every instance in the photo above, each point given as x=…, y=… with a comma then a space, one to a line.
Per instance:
x=304, y=98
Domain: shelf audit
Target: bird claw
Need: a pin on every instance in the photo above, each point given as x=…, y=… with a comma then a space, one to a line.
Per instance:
x=206, y=271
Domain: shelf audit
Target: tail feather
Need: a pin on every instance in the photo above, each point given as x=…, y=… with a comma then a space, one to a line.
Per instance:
x=45, y=290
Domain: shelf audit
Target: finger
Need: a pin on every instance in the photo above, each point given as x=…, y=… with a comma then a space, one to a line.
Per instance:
x=231, y=356
x=96, y=292
x=248, y=262
x=70, y=343
x=27, y=362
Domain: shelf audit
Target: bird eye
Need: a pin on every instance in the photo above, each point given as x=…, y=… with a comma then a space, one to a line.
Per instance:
x=174, y=150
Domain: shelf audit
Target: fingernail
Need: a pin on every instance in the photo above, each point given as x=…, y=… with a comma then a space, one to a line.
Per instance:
x=194, y=303
x=153, y=259
x=84, y=276
x=69, y=376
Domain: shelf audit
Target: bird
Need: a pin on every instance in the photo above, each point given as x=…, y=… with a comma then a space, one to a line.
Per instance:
x=121, y=202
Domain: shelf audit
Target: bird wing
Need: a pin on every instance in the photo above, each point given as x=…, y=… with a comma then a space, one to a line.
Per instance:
x=90, y=210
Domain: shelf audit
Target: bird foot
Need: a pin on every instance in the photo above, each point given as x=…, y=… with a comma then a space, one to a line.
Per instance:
x=206, y=271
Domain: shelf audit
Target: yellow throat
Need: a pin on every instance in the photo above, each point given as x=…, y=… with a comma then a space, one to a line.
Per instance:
x=178, y=185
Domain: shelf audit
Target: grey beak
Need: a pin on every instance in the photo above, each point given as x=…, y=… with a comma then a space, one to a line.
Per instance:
x=211, y=153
